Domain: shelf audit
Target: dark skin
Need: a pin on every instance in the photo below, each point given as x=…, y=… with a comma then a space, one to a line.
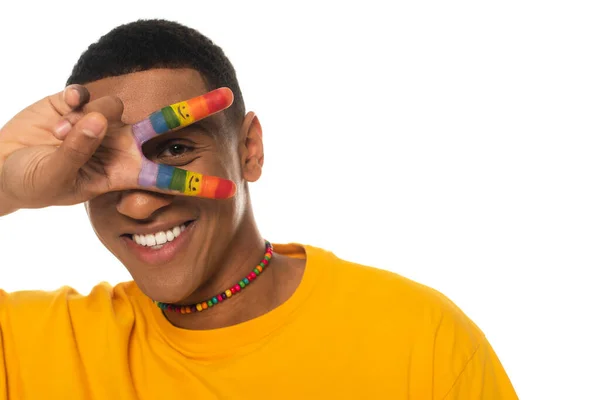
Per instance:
x=225, y=243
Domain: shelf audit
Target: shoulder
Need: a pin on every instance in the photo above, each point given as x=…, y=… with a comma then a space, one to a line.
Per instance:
x=394, y=292
x=392, y=302
x=405, y=319
x=101, y=292
x=30, y=308
x=37, y=327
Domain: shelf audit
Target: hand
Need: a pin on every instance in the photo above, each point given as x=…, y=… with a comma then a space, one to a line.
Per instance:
x=58, y=152
x=45, y=150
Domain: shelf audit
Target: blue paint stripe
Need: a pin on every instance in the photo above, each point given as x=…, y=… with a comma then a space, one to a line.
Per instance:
x=157, y=119
x=165, y=174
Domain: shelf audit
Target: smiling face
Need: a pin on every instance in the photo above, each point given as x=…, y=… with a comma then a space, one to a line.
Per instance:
x=193, y=184
x=190, y=235
x=183, y=113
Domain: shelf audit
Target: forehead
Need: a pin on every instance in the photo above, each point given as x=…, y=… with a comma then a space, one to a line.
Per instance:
x=144, y=92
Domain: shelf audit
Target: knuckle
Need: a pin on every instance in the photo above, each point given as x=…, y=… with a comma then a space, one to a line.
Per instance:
x=117, y=102
x=76, y=152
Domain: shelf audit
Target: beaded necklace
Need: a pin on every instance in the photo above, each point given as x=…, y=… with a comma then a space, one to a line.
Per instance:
x=226, y=294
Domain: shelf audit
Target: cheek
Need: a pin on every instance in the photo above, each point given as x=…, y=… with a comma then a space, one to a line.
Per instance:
x=230, y=162
x=221, y=164
x=100, y=209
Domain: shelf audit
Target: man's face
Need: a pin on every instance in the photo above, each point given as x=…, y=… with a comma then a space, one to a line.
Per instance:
x=199, y=230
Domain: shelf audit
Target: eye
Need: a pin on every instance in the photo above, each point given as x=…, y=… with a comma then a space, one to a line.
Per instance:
x=174, y=150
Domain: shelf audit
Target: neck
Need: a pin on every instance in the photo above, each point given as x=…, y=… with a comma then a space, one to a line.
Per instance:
x=243, y=255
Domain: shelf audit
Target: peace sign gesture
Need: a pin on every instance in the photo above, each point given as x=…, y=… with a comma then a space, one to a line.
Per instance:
x=65, y=150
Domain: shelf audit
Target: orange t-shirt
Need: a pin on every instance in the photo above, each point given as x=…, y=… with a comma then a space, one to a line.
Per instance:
x=348, y=332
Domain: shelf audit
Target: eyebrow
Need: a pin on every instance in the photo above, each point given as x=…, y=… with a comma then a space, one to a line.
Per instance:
x=210, y=123
x=210, y=126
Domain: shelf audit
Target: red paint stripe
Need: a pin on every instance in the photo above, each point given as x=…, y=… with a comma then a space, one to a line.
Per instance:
x=225, y=189
x=218, y=100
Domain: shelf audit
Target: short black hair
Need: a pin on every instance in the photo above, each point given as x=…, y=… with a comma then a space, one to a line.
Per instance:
x=157, y=43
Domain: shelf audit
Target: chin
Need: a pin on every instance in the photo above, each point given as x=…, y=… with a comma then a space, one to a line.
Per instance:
x=171, y=289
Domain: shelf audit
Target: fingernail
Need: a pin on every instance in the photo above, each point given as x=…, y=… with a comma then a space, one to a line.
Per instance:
x=71, y=96
x=62, y=128
x=92, y=127
x=75, y=95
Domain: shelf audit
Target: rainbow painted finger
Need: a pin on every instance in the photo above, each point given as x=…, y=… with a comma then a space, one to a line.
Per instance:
x=186, y=182
x=182, y=114
x=177, y=116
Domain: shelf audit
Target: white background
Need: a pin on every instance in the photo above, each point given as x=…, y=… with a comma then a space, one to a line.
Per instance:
x=455, y=143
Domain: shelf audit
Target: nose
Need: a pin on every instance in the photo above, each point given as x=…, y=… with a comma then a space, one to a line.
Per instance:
x=139, y=204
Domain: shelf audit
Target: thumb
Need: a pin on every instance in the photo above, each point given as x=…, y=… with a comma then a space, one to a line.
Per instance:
x=77, y=148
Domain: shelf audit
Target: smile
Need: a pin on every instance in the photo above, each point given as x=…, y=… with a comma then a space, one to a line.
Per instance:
x=179, y=111
x=158, y=239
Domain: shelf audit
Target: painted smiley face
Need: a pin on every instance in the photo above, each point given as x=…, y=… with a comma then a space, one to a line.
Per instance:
x=193, y=182
x=184, y=115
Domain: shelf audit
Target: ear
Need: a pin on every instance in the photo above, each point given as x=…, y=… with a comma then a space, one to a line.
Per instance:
x=251, y=148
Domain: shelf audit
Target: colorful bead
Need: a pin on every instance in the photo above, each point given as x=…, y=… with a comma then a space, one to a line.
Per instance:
x=192, y=308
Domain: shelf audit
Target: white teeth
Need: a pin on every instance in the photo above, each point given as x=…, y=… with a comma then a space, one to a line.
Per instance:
x=157, y=240
x=150, y=240
x=161, y=238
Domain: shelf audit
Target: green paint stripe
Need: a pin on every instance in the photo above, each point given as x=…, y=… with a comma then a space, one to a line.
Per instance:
x=178, y=181
x=170, y=117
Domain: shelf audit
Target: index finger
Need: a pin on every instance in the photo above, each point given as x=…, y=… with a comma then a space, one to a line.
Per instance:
x=182, y=114
x=71, y=98
x=111, y=107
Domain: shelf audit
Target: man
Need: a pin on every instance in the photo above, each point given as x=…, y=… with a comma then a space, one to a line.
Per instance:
x=152, y=134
